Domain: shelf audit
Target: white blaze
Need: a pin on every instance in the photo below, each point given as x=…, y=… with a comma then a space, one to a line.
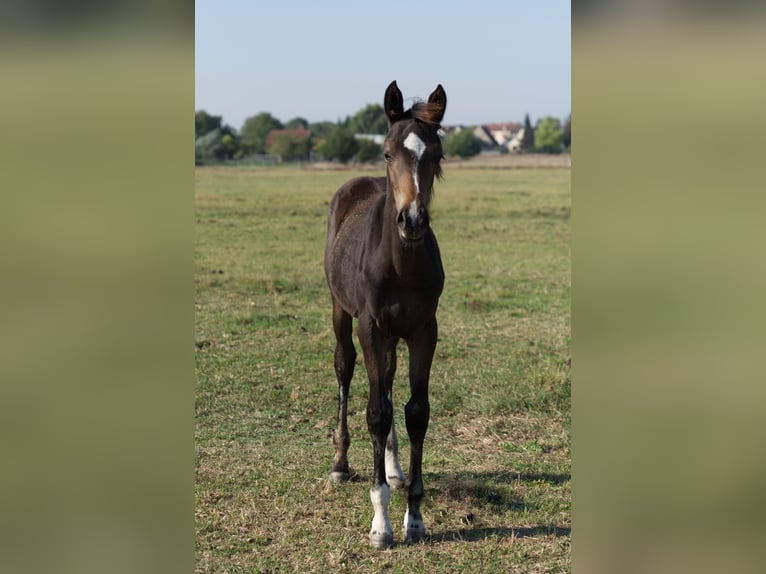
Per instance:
x=414, y=207
x=416, y=145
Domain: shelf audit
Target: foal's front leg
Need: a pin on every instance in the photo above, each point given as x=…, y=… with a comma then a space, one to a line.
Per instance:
x=417, y=412
x=379, y=416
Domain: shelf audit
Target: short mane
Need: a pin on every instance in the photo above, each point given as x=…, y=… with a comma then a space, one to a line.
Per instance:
x=425, y=112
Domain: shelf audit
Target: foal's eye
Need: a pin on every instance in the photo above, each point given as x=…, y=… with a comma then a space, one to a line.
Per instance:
x=387, y=156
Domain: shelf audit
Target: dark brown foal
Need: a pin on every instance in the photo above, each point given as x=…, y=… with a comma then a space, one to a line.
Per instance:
x=383, y=267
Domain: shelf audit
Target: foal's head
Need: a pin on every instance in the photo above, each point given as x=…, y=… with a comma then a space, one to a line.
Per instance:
x=413, y=153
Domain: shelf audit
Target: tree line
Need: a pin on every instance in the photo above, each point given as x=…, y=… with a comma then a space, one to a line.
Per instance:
x=300, y=140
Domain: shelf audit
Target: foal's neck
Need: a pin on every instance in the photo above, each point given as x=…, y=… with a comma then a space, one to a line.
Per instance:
x=406, y=259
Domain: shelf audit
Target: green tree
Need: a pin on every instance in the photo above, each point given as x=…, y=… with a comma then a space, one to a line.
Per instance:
x=297, y=123
x=231, y=143
x=290, y=148
x=567, y=133
x=368, y=151
x=369, y=120
x=528, y=139
x=205, y=123
x=340, y=144
x=462, y=143
x=210, y=148
x=322, y=129
x=255, y=130
x=548, y=135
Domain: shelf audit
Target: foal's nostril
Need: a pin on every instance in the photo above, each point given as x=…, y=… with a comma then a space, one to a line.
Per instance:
x=412, y=223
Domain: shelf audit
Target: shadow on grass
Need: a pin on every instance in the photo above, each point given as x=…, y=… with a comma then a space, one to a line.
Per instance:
x=475, y=534
x=487, y=491
x=477, y=483
x=474, y=483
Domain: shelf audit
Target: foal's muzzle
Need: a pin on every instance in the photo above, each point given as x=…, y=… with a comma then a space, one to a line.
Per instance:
x=412, y=226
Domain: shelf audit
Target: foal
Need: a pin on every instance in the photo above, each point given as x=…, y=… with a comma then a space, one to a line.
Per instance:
x=383, y=267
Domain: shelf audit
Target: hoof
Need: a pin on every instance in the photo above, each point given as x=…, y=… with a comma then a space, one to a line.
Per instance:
x=395, y=482
x=414, y=536
x=336, y=476
x=381, y=540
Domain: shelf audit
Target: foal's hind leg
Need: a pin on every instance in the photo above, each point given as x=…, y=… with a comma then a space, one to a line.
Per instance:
x=345, y=355
x=394, y=474
x=417, y=412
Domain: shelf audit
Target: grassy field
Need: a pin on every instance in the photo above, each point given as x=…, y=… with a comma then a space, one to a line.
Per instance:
x=497, y=454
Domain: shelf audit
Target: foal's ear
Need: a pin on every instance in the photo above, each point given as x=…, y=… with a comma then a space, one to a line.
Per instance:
x=393, y=103
x=438, y=103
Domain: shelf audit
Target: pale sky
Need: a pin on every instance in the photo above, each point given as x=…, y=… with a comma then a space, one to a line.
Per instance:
x=325, y=60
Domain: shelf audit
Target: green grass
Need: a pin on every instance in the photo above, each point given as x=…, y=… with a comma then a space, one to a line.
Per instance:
x=497, y=454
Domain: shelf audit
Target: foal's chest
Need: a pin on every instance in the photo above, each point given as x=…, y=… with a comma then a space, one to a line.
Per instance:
x=405, y=314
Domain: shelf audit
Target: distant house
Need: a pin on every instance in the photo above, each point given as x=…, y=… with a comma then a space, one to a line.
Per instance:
x=507, y=135
x=483, y=135
x=514, y=144
x=502, y=133
x=297, y=133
